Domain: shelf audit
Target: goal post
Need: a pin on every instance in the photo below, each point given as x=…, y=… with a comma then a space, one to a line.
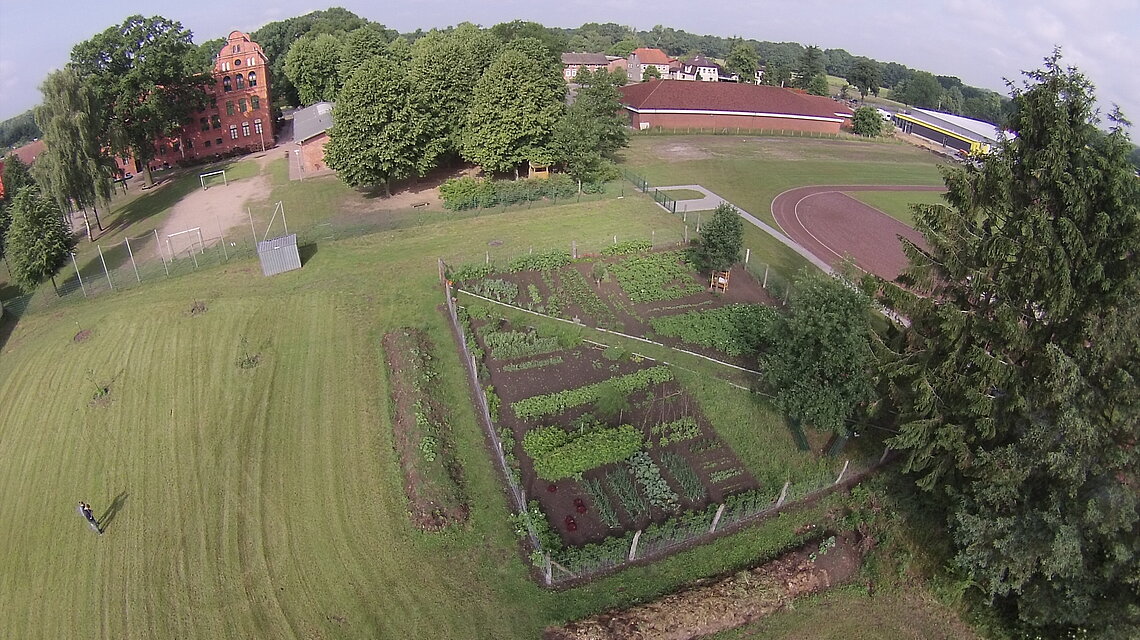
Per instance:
x=190, y=249
x=202, y=178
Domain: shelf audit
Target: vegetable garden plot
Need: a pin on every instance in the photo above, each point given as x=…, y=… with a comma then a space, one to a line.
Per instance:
x=603, y=445
x=658, y=296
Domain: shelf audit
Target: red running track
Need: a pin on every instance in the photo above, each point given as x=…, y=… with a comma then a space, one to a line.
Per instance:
x=834, y=226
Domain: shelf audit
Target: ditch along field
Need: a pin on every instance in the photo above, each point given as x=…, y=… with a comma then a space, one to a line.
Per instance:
x=234, y=433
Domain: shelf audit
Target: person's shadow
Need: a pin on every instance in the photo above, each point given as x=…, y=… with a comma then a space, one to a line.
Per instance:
x=113, y=510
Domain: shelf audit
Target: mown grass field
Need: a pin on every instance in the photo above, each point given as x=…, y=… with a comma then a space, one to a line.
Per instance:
x=897, y=204
x=267, y=502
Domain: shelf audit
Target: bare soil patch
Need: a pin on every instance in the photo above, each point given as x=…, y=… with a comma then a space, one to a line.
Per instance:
x=730, y=602
x=82, y=336
x=215, y=211
x=432, y=475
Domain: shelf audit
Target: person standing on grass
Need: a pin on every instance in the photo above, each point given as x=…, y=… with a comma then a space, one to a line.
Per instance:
x=85, y=511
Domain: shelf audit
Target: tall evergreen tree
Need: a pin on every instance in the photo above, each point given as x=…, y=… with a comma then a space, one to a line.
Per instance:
x=17, y=175
x=36, y=244
x=810, y=65
x=1017, y=381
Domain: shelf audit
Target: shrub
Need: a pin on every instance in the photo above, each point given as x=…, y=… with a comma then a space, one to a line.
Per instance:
x=465, y=193
x=471, y=272
x=552, y=403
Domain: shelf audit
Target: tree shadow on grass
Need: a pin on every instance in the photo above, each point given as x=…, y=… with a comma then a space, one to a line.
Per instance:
x=113, y=510
x=168, y=190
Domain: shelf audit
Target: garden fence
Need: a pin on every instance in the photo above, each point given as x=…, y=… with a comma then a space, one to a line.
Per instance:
x=658, y=195
x=654, y=541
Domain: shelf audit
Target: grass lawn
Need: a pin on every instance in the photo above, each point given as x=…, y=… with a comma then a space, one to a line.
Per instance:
x=267, y=502
x=897, y=203
x=684, y=194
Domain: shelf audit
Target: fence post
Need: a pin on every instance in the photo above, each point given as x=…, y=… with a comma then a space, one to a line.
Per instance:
x=83, y=288
x=766, y=267
x=698, y=222
x=840, y=478
x=225, y=252
x=783, y=494
x=105, y=272
x=574, y=248
x=127, y=241
x=158, y=248
x=633, y=547
x=747, y=255
x=884, y=458
x=716, y=519
x=488, y=257
x=615, y=238
x=195, y=256
x=549, y=569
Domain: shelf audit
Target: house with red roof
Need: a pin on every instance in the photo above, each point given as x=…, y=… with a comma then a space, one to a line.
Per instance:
x=643, y=57
x=728, y=105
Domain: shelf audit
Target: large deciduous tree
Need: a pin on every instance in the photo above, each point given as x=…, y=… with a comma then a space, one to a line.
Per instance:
x=1018, y=382
x=515, y=106
x=820, y=365
x=74, y=166
x=867, y=122
x=445, y=67
x=809, y=66
x=380, y=133
x=36, y=243
x=921, y=90
x=145, y=73
x=313, y=66
x=866, y=76
x=592, y=129
x=721, y=239
x=743, y=61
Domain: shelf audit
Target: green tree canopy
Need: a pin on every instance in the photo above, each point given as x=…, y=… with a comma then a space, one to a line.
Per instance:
x=554, y=43
x=593, y=127
x=651, y=73
x=1018, y=381
x=515, y=107
x=36, y=243
x=866, y=76
x=17, y=175
x=867, y=122
x=380, y=132
x=921, y=90
x=810, y=65
x=445, y=67
x=821, y=365
x=146, y=75
x=313, y=66
x=818, y=85
x=359, y=46
x=743, y=61
x=721, y=239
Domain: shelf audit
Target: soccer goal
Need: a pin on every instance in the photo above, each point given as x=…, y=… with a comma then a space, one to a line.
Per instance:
x=188, y=241
x=209, y=179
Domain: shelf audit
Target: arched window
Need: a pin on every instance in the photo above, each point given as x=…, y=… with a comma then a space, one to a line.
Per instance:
x=226, y=84
x=240, y=81
x=245, y=129
x=253, y=78
x=233, y=132
x=257, y=125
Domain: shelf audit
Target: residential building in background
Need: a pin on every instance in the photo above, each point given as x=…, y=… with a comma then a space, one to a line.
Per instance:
x=642, y=58
x=574, y=62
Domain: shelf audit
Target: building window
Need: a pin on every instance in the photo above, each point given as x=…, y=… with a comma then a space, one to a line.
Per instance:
x=205, y=124
x=237, y=63
x=189, y=144
x=175, y=145
x=251, y=61
x=245, y=129
x=237, y=48
x=226, y=84
x=213, y=102
x=241, y=105
x=240, y=79
x=207, y=144
x=229, y=107
x=233, y=132
x=257, y=125
x=218, y=142
x=216, y=121
x=225, y=66
x=253, y=78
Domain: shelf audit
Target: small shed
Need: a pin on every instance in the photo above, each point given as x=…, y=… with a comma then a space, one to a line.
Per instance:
x=279, y=255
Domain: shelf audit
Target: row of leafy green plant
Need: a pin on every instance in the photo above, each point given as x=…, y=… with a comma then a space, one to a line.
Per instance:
x=533, y=364
x=622, y=485
x=656, y=276
x=649, y=477
x=679, y=430
x=553, y=403
x=688, y=480
x=736, y=329
x=558, y=453
x=497, y=289
x=601, y=502
x=577, y=291
x=510, y=345
x=628, y=247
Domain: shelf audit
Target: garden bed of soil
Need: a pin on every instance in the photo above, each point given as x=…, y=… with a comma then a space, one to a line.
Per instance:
x=732, y=601
x=603, y=303
x=433, y=479
x=700, y=448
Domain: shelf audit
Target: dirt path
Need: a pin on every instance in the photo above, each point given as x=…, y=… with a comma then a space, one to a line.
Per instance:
x=832, y=226
x=214, y=211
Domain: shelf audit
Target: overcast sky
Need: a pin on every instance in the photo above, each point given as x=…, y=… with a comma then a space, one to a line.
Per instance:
x=980, y=41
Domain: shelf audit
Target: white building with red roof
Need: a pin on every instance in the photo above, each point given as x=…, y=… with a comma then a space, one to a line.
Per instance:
x=643, y=57
x=728, y=105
